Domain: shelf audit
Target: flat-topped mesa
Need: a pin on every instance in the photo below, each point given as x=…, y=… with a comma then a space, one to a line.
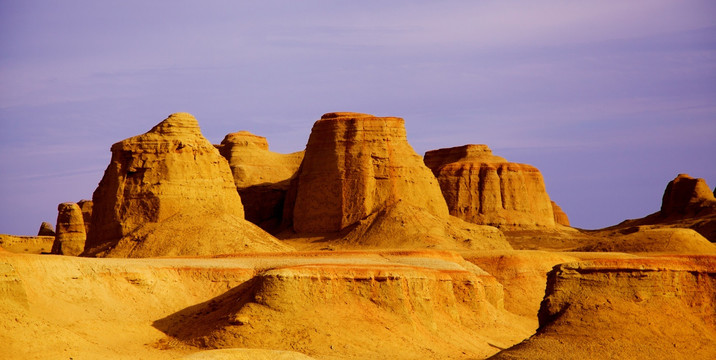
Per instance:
x=473, y=152
x=169, y=192
x=687, y=196
x=70, y=235
x=486, y=189
x=262, y=177
x=356, y=164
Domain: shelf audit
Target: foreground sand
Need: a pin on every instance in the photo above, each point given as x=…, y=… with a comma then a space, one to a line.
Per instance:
x=357, y=305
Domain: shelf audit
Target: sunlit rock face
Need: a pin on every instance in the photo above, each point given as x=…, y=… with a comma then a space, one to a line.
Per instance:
x=560, y=217
x=482, y=188
x=70, y=235
x=170, y=192
x=686, y=196
x=355, y=165
x=262, y=177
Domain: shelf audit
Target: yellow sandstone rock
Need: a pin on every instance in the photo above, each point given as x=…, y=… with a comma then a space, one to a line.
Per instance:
x=169, y=192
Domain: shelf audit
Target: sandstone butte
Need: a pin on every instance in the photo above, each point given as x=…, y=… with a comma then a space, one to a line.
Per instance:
x=687, y=203
x=70, y=234
x=262, y=177
x=355, y=165
x=361, y=177
x=170, y=192
x=482, y=188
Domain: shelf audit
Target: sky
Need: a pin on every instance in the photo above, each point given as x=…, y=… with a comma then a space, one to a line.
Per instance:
x=609, y=99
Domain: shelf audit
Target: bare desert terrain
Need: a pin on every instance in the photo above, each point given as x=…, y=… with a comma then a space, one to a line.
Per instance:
x=355, y=248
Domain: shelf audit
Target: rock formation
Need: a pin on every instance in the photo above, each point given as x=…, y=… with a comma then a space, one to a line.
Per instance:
x=262, y=177
x=27, y=244
x=687, y=203
x=169, y=192
x=46, y=229
x=355, y=165
x=560, y=217
x=486, y=189
x=70, y=233
x=440, y=306
x=687, y=196
x=86, y=207
x=626, y=309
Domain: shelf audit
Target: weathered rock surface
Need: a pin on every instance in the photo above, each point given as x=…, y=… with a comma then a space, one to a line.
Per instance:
x=437, y=307
x=169, y=192
x=656, y=308
x=46, y=229
x=70, y=232
x=26, y=244
x=86, y=207
x=644, y=239
x=486, y=189
x=262, y=176
x=687, y=196
x=523, y=275
x=355, y=165
x=560, y=217
x=687, y=203
x=407, y=226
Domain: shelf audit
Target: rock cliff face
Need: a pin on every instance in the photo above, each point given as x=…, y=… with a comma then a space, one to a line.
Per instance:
x=70, y=235
x=169, y=192
x=587, y=304
x=560, y=217
x=262, y=177
x=355, y=165
x=687, y=196
x=486, y=189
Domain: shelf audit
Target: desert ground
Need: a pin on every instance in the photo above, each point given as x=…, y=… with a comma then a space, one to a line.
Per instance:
x=355, y=248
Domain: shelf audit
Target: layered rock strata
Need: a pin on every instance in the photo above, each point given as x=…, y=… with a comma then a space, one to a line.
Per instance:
x=687, y=203
x=482, y=188
x=686, y=195
x=86, y=207
x=355, y=309
x=355, y=165
x=560, y=217
x=70, y=234
x=170, y=192
x=665, y=306
x=262, y=177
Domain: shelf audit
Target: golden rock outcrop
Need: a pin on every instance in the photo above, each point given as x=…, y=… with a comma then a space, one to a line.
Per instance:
x=46, y=229
x=482, y=188
x=355, y=165
x=262, y=176
x=644, y=308
x=687, y=196
x=70, y=234
x=560, y=217
x=170, y=192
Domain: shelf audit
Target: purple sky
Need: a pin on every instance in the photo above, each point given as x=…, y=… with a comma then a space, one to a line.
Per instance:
x=609, y=99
